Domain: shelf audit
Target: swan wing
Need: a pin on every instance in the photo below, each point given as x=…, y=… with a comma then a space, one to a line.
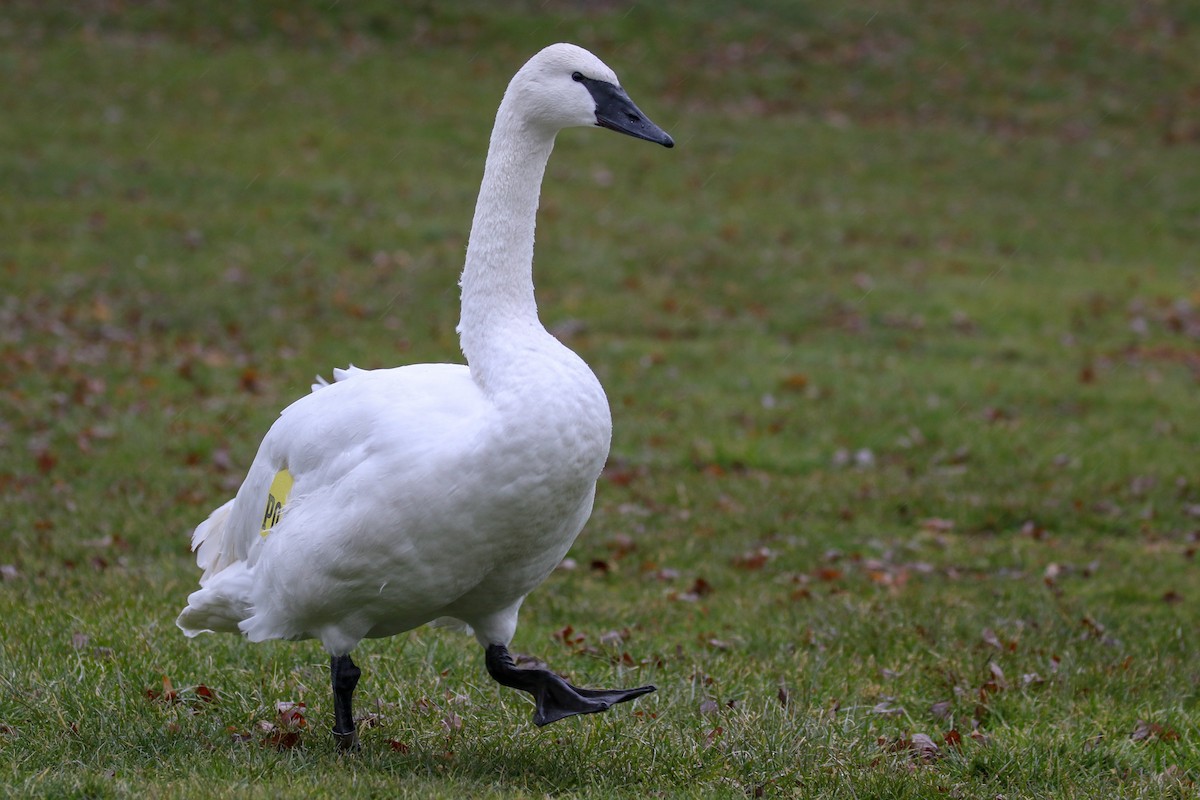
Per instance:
x=324, y=436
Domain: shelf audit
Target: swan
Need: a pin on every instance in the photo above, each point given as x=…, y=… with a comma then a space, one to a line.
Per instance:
x=435, y=493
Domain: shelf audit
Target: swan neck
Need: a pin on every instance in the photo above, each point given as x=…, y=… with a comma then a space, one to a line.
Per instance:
x=497, y=281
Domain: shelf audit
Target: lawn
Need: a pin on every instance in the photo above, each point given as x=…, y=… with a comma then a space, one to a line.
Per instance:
x=902, y=343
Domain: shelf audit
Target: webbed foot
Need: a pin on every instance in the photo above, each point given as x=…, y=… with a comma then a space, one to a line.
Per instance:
x=553, y=697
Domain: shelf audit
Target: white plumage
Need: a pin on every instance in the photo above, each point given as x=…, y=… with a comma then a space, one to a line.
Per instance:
x=434, y=492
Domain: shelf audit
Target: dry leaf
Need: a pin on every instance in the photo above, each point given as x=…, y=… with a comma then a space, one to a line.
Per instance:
x=925, y=748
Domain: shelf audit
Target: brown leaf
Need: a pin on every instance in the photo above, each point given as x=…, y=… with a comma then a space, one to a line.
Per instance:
x=568, y=636
x=249, y=382
x=291, y=715
x=925, y=748
x=46, y=461
x=753, y=559
x=168, y=693
x=1144, y=731
x=282, y=739
x=398, y=746
x=952, y=739
x=1033, y=530
x=797, y=381
x=206, y=694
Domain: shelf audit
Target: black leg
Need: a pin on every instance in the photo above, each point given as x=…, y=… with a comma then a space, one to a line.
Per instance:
x=345, y=677
x=553, y=697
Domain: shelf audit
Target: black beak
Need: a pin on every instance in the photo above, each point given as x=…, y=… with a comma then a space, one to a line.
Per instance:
x=615, y=111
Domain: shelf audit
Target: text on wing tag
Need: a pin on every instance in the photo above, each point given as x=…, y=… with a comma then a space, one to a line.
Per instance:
x=281, y=486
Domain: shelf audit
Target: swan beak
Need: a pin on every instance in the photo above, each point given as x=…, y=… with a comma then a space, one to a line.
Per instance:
x=615, y=111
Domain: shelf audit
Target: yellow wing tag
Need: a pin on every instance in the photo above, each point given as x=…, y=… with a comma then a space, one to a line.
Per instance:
x=281, y=487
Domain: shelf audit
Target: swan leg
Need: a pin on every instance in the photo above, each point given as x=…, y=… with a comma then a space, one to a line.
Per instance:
x=344, y=675
x=553, y=697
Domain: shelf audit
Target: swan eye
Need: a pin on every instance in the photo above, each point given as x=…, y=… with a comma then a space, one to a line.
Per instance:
x=577, y=76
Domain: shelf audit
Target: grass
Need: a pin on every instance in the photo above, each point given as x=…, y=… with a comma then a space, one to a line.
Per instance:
x=902, y=343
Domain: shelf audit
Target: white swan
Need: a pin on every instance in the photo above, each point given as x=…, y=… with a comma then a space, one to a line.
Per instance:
x=435, y=492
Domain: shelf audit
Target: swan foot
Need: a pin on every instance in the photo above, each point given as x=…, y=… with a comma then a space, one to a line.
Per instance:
x=553, y=697
x=344, y=676
x=347, y=742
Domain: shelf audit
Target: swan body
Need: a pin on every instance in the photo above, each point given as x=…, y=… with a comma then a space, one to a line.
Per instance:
x=435, y=492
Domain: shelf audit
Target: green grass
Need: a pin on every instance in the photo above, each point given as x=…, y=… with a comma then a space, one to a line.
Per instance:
x=902, y=344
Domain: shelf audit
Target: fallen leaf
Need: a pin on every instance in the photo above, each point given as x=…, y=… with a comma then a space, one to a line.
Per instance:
x=291, y=714
x=46, y=461
x=1145, y=731
x=569, y=637
x=753, y=559
x=167, y=695
x=925, y=748
x=797, y=381
x=398, y=746
x=1033, y=530
x=709, y=707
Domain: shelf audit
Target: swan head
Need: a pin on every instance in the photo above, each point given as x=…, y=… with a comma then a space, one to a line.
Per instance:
x=565, y=86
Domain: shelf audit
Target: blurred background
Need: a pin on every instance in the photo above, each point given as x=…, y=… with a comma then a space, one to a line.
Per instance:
x=903, y=335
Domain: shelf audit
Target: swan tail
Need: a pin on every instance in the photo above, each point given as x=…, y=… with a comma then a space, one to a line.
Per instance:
x=221, y=604
x=338, y=375
x=213, y=552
